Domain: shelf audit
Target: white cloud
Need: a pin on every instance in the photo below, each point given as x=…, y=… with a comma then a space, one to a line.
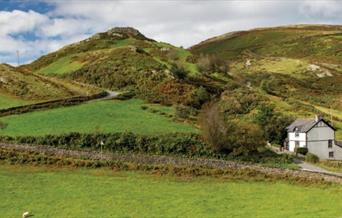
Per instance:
x=322, y=9
x=178, y=22
x=20, y=21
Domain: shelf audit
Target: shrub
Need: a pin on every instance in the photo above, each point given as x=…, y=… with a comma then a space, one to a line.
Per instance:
x=229, y=137
x=311, y=158
x=178, y=72
x=144, y=107
x=301, y=150
x=126, y=95
x=211, y=64
x=177, y=143
x=184, y=112
x=200, y=97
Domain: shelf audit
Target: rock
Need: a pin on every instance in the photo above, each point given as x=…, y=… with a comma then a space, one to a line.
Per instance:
x=314, y=67
x=248, y=63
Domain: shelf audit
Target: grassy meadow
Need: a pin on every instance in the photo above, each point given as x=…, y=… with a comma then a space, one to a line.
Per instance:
x=101, y=116
x=104, y=193
x=7, y=102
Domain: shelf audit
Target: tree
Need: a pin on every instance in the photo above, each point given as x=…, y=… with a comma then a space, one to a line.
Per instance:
x=231, y=136
x=273, y=123
x=214, y=130
x=211, y=64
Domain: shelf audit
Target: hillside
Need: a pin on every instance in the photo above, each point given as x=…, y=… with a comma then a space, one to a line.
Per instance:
x=296, y=68
x=18, y=87
x=123, y=58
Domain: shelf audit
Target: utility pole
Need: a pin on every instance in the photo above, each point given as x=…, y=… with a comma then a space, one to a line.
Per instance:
x=18, y=57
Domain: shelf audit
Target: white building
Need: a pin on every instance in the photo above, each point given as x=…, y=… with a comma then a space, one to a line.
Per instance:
x=317, y=135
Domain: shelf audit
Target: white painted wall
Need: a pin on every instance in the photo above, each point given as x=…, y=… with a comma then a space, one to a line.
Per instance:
x=293, y=138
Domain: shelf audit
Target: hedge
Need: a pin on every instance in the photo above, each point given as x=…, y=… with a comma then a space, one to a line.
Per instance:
x=177, y=143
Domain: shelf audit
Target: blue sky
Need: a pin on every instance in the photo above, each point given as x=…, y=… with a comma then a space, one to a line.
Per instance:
x=35, y=28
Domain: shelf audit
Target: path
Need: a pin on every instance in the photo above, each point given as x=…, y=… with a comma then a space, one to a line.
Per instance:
x=111, y=95
x=305, y=166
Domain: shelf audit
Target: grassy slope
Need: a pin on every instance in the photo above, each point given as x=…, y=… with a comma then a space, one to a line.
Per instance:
x=283, y=57
x=10, y=101
x=102, y=46
x=103, y=193
x=20, y=87
x=106, y=116
x=62, y=65
x=123, y=59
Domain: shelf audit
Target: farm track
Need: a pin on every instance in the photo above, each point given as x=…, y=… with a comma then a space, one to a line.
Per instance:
x=177, y=162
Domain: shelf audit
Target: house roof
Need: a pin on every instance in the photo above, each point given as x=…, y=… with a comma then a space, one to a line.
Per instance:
x=305, y=125
x=338, y=143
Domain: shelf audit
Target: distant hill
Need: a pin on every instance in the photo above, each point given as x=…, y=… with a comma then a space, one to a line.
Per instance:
x=19, y=87
x=122, y=58
x=313, y=43
x=297, y=68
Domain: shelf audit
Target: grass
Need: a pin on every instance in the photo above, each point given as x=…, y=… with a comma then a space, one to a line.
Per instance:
x=104, y=193
x=61, y=66
x=106, y=116
x=7, y=102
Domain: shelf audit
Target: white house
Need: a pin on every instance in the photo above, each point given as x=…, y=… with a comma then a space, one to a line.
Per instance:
x=315, y=134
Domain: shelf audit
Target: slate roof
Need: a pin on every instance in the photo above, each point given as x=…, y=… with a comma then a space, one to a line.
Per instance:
x=304, y=125
x=338, y=143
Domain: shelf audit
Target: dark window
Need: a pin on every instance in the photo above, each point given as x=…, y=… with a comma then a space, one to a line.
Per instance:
x=330, y=143
x=297, y=143
x=331, y=154
x=297, y=134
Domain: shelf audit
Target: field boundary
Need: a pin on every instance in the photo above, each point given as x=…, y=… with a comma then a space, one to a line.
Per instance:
x=51, y=104
x=161, y=164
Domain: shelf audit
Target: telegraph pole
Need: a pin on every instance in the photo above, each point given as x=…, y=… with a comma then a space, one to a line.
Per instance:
x=18, y=57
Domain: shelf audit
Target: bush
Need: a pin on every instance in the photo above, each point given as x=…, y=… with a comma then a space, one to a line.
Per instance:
x=302, y=151
x=311, y=158
x=200, y=97
x=178, y=72
x=232, y=137
x=177, y=143
x=211, y=64
x=144, y=107
x=185, y=112
x=126, y=95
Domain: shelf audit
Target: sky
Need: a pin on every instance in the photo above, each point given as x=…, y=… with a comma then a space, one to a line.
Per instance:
x=37, y=27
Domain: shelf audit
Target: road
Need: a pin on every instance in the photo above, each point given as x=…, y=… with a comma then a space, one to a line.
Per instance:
x=305, y=166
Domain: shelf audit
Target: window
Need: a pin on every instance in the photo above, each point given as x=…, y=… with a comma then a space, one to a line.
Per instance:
x=296, y=144
x=297, y=134
x=331, y=154
x=330, y=143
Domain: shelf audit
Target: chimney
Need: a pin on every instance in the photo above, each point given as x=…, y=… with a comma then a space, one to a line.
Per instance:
x=318, y=117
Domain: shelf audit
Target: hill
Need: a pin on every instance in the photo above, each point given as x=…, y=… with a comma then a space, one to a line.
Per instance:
x=123, y=58
x=296, y=68
x=18, y=87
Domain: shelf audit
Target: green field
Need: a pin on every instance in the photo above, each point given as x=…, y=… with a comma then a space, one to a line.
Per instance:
x=7, y=102
x=96, y=116
x=61, y=66
x=104, y=193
